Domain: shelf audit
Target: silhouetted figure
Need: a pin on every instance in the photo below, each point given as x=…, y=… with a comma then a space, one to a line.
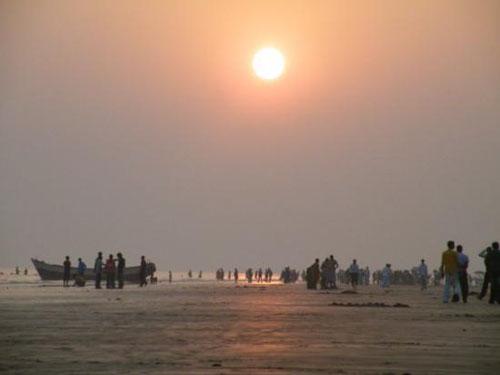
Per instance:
x=25, y=272
x=67, y=271
x=190, y=274
x=17, y=270
x=487, y=277
x=120, y=269
x=324, y=268
x=249, y=275
x=143, y=272
x=200, y=275
x=98, y=270
x=313, y=275
x=463, y=278
x=494, y=271
x=236, y=275
x=110, y=270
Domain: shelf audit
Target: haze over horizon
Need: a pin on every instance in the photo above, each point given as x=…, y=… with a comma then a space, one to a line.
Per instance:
x=141, y=128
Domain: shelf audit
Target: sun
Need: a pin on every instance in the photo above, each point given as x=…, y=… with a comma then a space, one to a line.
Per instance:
x=268, y=63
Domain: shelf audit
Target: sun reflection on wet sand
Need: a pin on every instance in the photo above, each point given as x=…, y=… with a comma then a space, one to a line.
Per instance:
x=209, y=327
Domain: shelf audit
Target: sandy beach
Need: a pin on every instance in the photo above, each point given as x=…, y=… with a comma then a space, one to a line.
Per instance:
x=217, y=327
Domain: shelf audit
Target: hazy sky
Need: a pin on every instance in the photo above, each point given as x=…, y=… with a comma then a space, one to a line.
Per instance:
x=139, y=126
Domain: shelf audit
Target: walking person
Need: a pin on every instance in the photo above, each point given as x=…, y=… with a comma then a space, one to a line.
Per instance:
x=463, y=277
x=423, y=274
x=143, y=272
x=449, y=269
x=98, y=270
x=110, y=272
x=354, y=274
x=120, y=269
x=67, y=271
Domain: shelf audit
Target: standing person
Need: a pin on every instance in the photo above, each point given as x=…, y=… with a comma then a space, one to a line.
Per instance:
x=82, y=267
x=169, y=276
x=486, y=281
x=325, y=266
x=423, y=274
x=143, y=272
x=313, y=275
x=437, y=277
x=463, y=278
x=354, y=274
x=110, y=270
x=236, y=275
x=98, y=270
x=449, y=269
x=120, y=269
x=367, y=276
x=494, y=271
x=249, y=275
x=386, y=276
x=67, y=271
x=25, y=272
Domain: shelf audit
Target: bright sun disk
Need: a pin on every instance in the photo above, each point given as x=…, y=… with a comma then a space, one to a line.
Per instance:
x=268, y=63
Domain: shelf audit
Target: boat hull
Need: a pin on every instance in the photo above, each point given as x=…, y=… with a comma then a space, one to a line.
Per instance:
x=55, y=272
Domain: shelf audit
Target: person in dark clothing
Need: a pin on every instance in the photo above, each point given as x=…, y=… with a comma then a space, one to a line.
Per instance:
x=494, y=270
x=120, y=269
x=98, y=270
x=312, y=275
x=110, y=272
x=67, y=271
x=463, y=277
x=143, y=272
x=486, y=281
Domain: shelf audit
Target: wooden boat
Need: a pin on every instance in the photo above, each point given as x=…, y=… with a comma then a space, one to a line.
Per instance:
x=55, y=272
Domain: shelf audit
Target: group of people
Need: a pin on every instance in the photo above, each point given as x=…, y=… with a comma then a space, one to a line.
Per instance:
x=454, y=264
x=288, y=275
x=113, y=269
x=323, y=274
x=17, y=271
x=259, y=275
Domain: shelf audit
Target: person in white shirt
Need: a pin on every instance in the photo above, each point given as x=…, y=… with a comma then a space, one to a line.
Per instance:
x=423, y=275
x=354, y=274
x=386, y=276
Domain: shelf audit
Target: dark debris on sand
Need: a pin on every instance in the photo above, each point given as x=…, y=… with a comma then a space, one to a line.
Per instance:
x=369, y=304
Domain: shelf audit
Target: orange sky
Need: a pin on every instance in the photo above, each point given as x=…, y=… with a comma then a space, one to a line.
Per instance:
x=141, y=126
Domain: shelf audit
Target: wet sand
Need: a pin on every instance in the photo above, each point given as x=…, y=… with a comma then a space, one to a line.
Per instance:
x=210, y=327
